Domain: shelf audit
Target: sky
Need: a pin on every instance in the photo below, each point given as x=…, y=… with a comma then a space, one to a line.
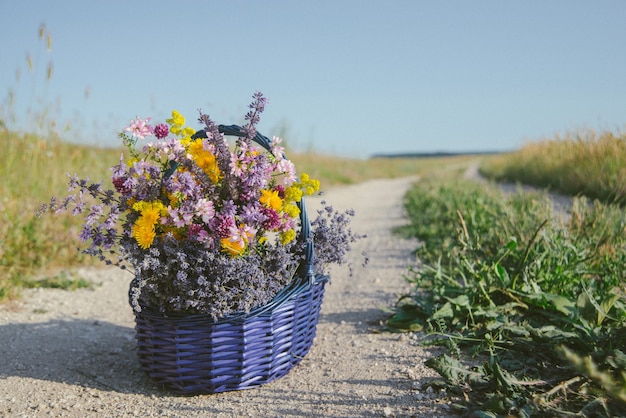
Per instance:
x=347, y=77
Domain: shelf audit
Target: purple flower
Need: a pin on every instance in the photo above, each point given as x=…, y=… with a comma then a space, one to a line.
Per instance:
x=183, y=184
x=272, y=219
x=223, y=225
x=181, y=217
x=252, y=214
x=161, y=131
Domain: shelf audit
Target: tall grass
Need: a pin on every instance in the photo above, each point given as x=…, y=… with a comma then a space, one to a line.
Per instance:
x=577, y=163
x=34, y=169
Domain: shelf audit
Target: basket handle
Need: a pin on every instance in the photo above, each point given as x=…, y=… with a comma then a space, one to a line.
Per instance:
x=306, y=269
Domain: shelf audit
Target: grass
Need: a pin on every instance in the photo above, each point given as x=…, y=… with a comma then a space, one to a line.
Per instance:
x=576, y=163
x=34, y=169
x=532, y=311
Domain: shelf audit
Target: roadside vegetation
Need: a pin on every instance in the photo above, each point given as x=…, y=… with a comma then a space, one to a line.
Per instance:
x=531, y=307
x=582, y=162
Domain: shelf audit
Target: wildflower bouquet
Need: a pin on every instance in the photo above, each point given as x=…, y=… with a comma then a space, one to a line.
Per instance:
x=206, y=226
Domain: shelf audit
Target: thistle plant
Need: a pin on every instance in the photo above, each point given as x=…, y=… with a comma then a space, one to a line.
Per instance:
x=205, y=226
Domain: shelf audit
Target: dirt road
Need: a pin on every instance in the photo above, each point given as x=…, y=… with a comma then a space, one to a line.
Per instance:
x=72, y=353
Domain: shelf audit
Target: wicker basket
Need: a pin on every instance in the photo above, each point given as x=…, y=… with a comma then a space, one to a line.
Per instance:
x=192, y=354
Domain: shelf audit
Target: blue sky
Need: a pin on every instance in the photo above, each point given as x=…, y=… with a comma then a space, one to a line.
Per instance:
x=348, y=77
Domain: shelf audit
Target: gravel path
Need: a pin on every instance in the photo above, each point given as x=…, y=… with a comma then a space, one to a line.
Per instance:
x=72, y=353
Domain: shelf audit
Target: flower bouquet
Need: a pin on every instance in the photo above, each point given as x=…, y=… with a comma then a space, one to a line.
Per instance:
x=228, y=269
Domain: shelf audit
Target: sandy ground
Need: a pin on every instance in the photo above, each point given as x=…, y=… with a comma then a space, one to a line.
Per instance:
x=73, y=353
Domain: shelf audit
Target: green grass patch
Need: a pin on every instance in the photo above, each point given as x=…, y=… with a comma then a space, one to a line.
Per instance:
x=576, y=163
x=538, y=307
x=63, y=280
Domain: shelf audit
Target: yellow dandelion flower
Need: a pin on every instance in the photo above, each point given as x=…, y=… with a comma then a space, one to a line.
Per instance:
x=205, y=160
x=144, y=235
x=150, y=209
x=146, y=222
x=144, y=230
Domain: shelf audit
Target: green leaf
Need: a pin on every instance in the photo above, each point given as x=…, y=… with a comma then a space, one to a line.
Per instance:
x=502, y=274
x=462, y=300
x=512, y=244
x=453, y=371
x=560, y=303
x=407, y=317
x=445, y=312
x=550, y=332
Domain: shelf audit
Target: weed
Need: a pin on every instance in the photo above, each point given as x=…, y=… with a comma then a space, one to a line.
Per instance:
x=542, y=301
x=62, y=280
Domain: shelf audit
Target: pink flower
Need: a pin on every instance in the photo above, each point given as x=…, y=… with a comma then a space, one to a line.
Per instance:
x=139, y=128
x=277, y=150
x=205, y=209
x=241, y=235
x=180, y=218
x=289, y=170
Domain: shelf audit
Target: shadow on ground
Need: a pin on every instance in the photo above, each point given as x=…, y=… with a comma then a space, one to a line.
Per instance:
x=78, y=352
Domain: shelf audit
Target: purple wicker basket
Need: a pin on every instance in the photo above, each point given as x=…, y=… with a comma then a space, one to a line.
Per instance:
x=193, y=354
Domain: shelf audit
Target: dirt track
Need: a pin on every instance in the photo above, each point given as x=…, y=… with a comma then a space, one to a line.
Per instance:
x=72, y=353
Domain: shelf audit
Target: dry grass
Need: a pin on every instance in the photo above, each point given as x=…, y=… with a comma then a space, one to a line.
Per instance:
x=577, y=163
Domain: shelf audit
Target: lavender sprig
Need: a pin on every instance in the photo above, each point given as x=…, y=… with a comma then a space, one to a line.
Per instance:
x=254, y=115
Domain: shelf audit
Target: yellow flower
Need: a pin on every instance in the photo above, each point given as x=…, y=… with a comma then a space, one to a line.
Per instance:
x=308, y=184
x=271, y=199
x=146, y=221
x=150, y=209
x=287, y=236
x=185, y=141
x=232, y=248
x=144, y=235
x=293, y=193
x=144, y=230
x=187, y=132
x=176, y=122
x=291, y=210
x=205, y=160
